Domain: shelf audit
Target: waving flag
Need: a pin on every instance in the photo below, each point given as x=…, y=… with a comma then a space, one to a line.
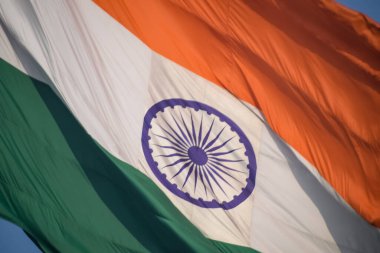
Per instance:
x=190, y=126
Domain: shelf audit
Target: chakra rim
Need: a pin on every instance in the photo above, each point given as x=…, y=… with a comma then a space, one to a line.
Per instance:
x=194, y=162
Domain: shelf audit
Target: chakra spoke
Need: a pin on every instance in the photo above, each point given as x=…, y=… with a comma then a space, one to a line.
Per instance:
x=221, y=177
x=182, y=169
x=193, y=129
x=176, y=162
x=226, y=167
x=175, y=132
x=215, y=139
x=188, y=174
x=224, y=153
x=208, y=133
x=226, y=160
x=174, y=143
x=200, y=132
x=168, y=147
x=195, y=177
x=208, y=180
x=187, y=130
x=180, y=129
x=201, y=177
x=224, y=172
x=216, y=181
x=172, y=155
x=220, y=146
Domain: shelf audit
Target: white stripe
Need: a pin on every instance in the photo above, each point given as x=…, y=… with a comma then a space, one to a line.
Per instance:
x=109, y=79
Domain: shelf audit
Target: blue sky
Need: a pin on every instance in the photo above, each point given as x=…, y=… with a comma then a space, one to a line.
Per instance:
x=369, y=7
x=12, y=238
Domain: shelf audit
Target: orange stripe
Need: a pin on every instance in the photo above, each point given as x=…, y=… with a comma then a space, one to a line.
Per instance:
x=316, y=79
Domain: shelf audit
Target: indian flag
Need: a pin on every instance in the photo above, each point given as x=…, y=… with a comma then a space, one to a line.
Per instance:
x=190, y=126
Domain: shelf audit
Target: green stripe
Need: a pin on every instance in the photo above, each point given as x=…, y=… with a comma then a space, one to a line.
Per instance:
x=70, y=194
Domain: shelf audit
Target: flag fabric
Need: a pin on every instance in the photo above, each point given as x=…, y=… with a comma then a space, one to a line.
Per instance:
x=190, y=126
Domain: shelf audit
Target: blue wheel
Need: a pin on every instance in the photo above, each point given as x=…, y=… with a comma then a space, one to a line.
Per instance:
x=198, y=153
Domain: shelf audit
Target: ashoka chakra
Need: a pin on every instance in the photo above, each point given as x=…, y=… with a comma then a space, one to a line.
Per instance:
x=198, y=153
